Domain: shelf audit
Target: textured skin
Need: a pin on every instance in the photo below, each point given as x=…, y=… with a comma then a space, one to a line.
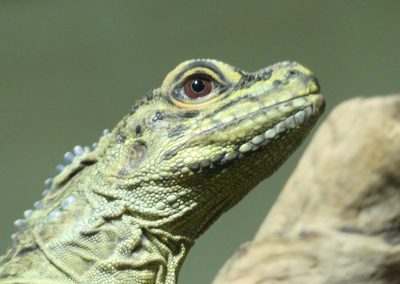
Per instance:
x=129, y=210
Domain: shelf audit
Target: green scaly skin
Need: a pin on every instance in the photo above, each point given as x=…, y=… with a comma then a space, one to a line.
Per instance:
x=129, y=210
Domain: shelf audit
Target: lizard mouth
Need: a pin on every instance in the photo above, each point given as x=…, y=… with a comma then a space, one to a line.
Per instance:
x=305, y=113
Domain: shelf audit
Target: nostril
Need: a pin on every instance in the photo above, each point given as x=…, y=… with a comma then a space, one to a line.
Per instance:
x=292, y=72
x=315, y=81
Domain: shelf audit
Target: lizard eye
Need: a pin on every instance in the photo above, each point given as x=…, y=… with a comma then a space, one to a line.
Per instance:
x=197, y=87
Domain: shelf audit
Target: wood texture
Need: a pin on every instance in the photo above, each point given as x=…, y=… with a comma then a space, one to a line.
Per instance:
x=338, y=217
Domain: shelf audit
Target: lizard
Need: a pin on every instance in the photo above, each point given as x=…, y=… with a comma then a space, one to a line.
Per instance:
x=128, y=208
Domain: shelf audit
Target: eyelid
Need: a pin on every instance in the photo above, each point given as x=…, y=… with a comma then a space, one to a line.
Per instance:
x=201, y=72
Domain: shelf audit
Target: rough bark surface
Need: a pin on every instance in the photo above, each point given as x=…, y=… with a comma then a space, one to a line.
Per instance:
x=338, y=217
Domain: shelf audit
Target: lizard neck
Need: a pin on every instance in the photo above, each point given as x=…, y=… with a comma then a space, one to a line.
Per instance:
x=97, y=239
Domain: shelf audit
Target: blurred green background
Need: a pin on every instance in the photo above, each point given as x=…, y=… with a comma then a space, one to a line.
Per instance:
x=69, y=69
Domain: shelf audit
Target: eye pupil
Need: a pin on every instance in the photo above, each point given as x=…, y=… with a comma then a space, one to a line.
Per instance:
x=198, y=86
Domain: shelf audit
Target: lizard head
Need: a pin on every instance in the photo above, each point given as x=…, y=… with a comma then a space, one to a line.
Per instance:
x=211, y=132
x=130, y=206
